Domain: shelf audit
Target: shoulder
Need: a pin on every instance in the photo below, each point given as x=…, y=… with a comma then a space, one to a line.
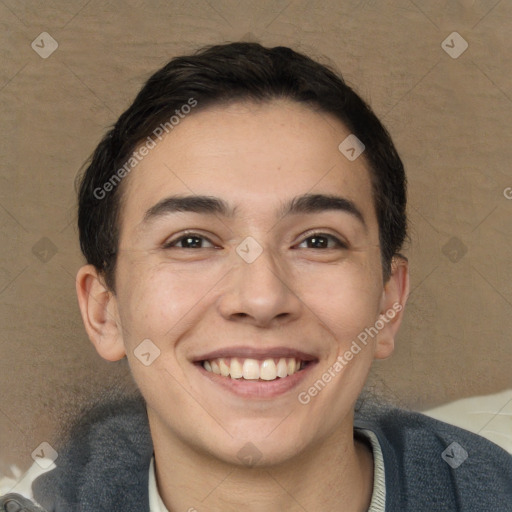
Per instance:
x=431, y=465
x=111, y=444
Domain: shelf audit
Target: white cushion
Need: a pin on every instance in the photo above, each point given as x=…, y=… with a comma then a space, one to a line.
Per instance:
x=489, y=416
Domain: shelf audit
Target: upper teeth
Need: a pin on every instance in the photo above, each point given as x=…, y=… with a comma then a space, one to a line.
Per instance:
x=253, y=369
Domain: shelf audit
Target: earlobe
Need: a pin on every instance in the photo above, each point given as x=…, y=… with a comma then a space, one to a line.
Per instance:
x=394, y=298
x=99, y=314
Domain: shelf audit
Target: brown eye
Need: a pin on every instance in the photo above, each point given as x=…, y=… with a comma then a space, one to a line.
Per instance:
x=321, y=241
x=188, y=241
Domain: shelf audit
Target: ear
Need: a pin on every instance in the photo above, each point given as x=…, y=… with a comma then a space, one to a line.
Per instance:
x=98, y=307
x=394, y=297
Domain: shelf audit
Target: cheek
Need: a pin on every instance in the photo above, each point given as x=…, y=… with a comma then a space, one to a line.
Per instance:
x=345, y=298
x=157, y=305
x=160, y=303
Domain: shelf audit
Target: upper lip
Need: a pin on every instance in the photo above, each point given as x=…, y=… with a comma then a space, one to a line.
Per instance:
x=256, y=353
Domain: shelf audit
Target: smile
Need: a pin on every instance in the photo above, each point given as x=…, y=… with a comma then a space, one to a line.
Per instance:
x=255, y=372
x=253, y=369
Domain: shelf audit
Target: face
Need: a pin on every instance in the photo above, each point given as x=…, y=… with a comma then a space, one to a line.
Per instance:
x=252, y=294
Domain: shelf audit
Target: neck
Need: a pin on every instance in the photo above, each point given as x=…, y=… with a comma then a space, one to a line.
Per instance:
x=339, y=471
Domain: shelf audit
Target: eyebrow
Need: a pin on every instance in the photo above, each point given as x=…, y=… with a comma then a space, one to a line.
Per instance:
x=209, y=205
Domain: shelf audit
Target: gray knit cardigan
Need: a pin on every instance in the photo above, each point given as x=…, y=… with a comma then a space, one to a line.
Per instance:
x=105, y=466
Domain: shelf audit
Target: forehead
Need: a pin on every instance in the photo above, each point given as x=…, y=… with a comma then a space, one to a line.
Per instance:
x=255, y=156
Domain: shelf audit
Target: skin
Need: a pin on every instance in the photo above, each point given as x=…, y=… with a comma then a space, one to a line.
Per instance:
x=191, y=300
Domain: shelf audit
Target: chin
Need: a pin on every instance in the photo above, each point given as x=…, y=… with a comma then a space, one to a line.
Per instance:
x=262, y=445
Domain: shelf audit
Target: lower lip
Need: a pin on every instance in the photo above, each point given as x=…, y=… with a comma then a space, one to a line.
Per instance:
x=259, y=388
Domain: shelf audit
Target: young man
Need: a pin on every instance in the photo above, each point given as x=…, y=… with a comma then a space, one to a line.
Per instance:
x=242, y=224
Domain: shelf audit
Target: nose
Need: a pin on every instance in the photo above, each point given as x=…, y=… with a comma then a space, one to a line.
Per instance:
x=259, y=293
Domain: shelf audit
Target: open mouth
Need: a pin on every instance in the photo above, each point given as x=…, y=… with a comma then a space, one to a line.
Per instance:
x=256, y=372
x=268, y=369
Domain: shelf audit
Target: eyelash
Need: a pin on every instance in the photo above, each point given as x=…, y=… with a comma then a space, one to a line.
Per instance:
x=339, y=243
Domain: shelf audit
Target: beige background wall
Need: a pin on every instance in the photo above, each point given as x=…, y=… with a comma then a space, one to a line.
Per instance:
x=450, y=118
